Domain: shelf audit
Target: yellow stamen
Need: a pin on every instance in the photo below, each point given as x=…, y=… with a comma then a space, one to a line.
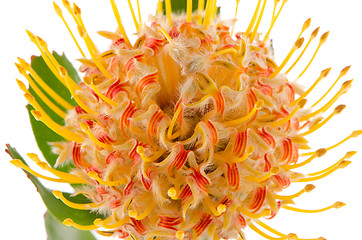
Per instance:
x=94, y=175
x=172, y=193
x=42, y=96
x=90, y=83
x=214, y=10
x=189, y=11
x=146, y=212
x=55, y=63
x=264, y=213
x=252, y=21
x=159, y=7
x=252, y=36
x=212, y=207
x=354, y=134
x=200, y=10
x=105, y=233
x=267, y=227
x=342, y=74
x=231, y=50
x=319, y=153
x=64, y=73
x=341, y=164
x=86, y=129
x=60, y=14
x=46, y=55
x=167, y=36
x=119, y=22
x=91, y=50
x=307, y=189
x=139, y=12
x=348, y=155
x=336, y=111
x=41, y=115
x=273, y=171
x=24, y=66
x=180, y=234
x=242, y=52
x=258, y=105
x=137, y=25
x=208, y=12
x=170, y=134
x=261, y=233
x=168, y=12
x=70, y=10
x=313, y=36
x=344, y=88
x=322, y=40
x=80, y=206
x=249, y=150
x=323, y=75
x=296, y=46
x=106, y=225
x=63, y=175
x=141, y=151
x=274, y=19
x=280, y=122
x=110, y=35
x=70, y=223
x=18, y=163
x=236, y=13
x=335, y=205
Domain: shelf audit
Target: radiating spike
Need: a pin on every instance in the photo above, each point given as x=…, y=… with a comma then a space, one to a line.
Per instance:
x=120, y=25
x=295, y=47
x=313, y=36
x=322, y=40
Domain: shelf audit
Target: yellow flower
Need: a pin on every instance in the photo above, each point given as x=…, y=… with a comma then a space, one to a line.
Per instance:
x=191, y=131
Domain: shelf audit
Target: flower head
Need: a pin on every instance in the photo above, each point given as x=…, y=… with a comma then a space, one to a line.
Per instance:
x=190, y=132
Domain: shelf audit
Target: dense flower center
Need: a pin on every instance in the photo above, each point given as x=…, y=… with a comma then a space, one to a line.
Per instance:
x=191, y=132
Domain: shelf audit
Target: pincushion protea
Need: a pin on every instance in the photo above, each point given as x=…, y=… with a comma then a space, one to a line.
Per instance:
x=190, y=132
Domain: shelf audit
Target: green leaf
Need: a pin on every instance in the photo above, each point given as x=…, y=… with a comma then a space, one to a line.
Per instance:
x=180, y=6
x=57, y=231
x=43, y=134
x=55, y=206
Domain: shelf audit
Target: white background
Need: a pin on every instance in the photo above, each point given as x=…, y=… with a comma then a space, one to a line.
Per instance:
x=20, y=205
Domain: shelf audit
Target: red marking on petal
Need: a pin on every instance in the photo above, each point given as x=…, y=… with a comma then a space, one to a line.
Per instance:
x=202, y=224
x=180, y=159
x=213, y=132
x=289, y=152
x=201, y=180
x=241, y=220
x=113, y=156
x=185, y=193
x=265, y=89
x=126, y=115
x=116, y=88
x=121, y=234
x=78, y=159
x=79, y=110
x=283, y=180
x=267, y=164
x=240, y=142
x=169, y=222
x=139, y=226
x=268, y=138
x=233, y=176
x=129, y=188
x=146, y=81
x=258, y=200
x=154, y=44
x=274, y=213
